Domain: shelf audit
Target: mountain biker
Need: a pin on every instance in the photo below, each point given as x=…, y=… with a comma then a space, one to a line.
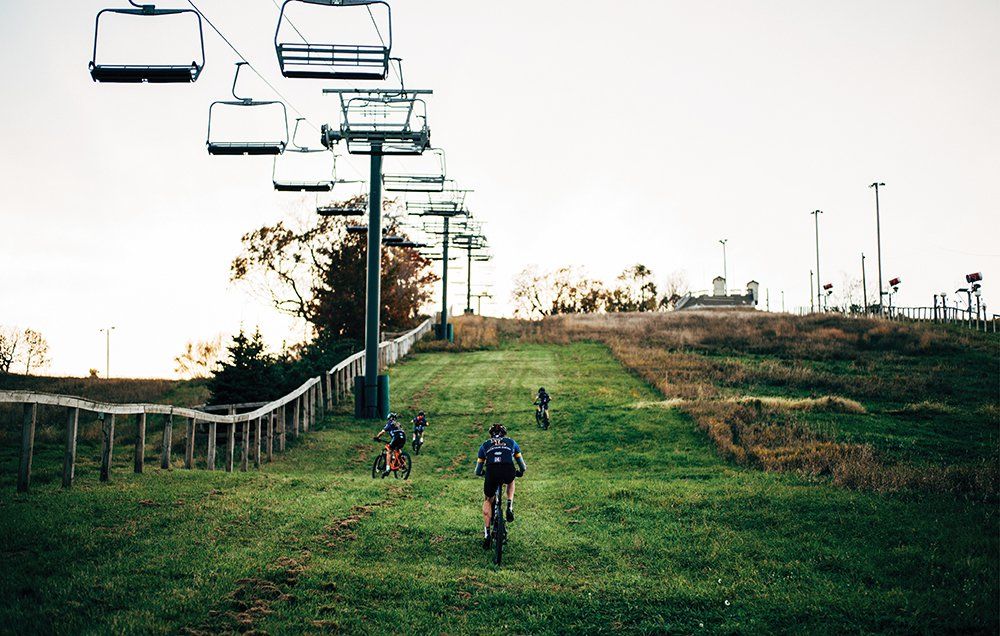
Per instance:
x=419, y=424
x=397, y=438
x=542, y=401
x=497, y=457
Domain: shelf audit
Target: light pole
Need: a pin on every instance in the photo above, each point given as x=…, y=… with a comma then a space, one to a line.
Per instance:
x=812, y=299
x=724, y=265
x=864, y=286
x=819, y=279
x=107, y=351
x=782, y=301
x=878, y=238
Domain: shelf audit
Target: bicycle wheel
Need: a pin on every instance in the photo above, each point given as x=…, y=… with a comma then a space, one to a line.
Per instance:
x=545, y=420
x=378, y=467
x=499, y=536
x=404, y=471
x=499, y=527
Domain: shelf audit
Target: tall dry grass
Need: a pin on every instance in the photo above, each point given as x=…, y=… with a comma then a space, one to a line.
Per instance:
x=705, y=361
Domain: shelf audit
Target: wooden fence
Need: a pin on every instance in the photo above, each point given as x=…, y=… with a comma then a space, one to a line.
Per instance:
x=261, y=431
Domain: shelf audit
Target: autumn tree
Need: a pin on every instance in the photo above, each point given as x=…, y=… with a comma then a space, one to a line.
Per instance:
x=35, y=352
x=10, y=342
x=199, y=358
x=674, y=288
x=636, y=291
x=316, y=270
x=564, y=291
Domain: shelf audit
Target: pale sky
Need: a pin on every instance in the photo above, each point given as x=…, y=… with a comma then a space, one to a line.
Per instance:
x=597, y=134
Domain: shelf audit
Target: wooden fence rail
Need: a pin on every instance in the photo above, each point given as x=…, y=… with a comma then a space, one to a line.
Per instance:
x=295, y=413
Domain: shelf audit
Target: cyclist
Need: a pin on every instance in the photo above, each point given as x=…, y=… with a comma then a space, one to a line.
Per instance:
x=419, y=424
x=542, y=402
x=497, y=457
x=397, y=439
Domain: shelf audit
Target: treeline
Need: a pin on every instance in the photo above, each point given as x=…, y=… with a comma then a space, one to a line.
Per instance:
x=568, y=290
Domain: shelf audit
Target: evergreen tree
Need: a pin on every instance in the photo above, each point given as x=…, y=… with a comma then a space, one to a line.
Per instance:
x=249, y=374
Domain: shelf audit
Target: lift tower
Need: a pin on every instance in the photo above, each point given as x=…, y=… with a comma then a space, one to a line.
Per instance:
x=377, y=122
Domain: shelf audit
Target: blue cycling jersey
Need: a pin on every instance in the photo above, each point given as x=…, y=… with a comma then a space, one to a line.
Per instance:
x=394, y=431
x=499, y=450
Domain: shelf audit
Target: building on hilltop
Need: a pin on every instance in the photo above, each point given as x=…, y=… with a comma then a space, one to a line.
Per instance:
x=720, y=298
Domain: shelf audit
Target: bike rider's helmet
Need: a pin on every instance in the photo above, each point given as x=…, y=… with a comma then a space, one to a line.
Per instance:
x=498, y=430
x=392, y=418
x=541, y=389
x=420, y=414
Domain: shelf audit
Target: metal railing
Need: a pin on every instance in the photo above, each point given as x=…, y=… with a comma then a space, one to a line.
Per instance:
x=261, y=429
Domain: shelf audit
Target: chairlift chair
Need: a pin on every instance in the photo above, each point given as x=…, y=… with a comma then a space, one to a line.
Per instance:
x=146, y=73
x=311, y=60
x=283, y=184
x=428, y=176
x=344, y=204
x=246, y=147
x=387, y=122
x=448, y=202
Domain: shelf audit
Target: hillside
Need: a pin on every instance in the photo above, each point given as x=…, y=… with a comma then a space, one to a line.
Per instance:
x=629, y=521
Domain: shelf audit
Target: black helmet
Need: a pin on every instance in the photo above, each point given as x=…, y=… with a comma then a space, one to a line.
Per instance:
x=541, y=389
x=498, y=430
x=392, y=417
x=421, y=413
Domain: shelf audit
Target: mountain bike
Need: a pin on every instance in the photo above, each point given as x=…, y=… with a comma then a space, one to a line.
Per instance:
x=498, y=533
x=399, y=464
x=418, y=441
x=541, y=416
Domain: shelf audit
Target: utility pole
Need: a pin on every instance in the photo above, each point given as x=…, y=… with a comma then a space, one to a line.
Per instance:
x=864, y=285
x=725, y=274
x=107, y=351
x=767, y=299
x=812, y=298
x=878, y=238
x=819, y=279
x=783, y=299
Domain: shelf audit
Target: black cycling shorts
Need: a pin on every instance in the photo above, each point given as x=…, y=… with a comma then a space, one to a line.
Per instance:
x=497, y=474
x=397, y=443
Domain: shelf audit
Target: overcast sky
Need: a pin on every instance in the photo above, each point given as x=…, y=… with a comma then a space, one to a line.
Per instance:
x=597, y=134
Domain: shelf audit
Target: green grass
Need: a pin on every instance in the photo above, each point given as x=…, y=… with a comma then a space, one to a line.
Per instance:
x=627, y=523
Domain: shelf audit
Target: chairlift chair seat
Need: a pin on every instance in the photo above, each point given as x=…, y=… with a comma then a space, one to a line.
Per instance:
x=146, y=73
x=233, y=148
x=339, y=210
x=150, y=74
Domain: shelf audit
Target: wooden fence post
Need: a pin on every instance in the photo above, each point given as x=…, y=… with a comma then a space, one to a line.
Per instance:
x=245, y=450
x=189, y=443
x=230, y=446
x=328, y=384
x=211, y=446
x=296, y=411
x=281, y=428
x=272, y=416
x=69, y=459
x=30, y=417
x=140, y=442
x=107, y=445
x=256, y=443
x=168, y=441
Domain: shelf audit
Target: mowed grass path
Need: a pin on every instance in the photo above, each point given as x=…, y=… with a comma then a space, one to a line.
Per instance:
x=627, y=523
